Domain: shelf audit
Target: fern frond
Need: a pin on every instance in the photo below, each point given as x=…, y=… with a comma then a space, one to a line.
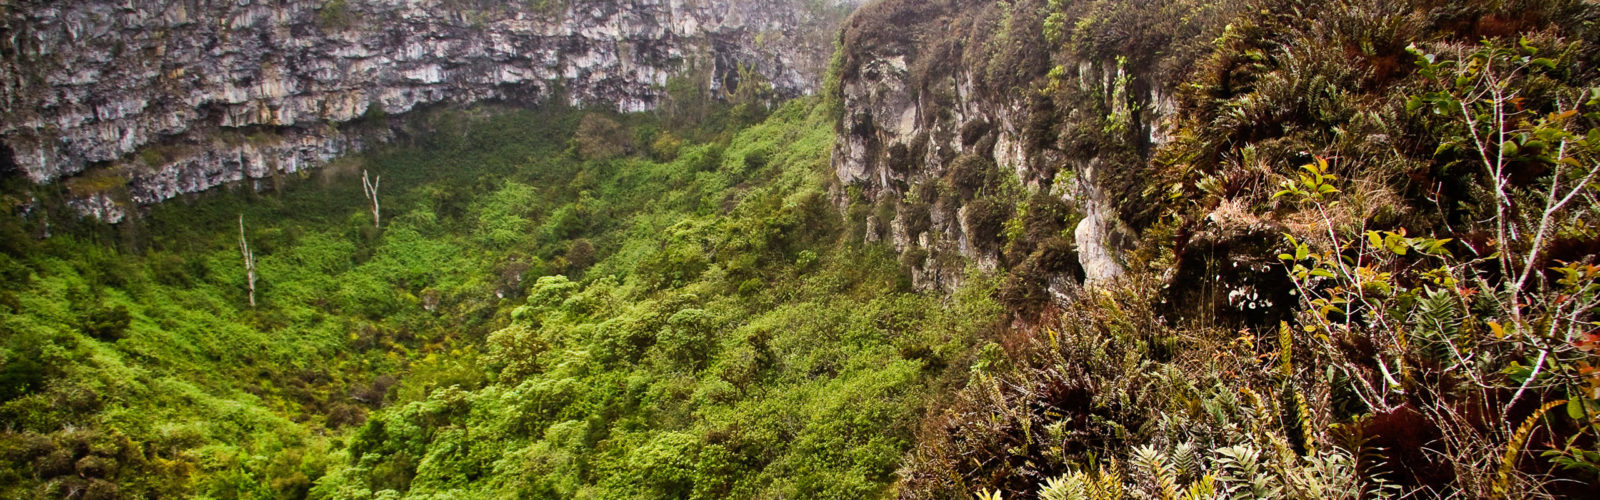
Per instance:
x=1204, y=488
x=1185, y=459
x=1286, y=349
x=1109, y=485
x=1152, y=464
x=1508, y=463
x=1255, y=408
x=1304, y=416
x=1074, y=486
x=1242, y=473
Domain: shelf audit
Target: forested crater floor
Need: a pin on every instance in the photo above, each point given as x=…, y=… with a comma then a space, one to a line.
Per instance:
x=557, y=303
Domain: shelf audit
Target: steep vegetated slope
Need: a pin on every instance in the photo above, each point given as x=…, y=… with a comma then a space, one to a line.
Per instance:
x=557, y=304
x=1333, y=249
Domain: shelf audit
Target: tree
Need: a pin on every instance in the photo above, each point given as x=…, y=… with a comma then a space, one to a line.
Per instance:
x=371, y=189
x=249, y=263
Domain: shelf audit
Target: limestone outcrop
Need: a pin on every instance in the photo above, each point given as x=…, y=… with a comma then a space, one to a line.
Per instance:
x=177, y=96
x=962, y=113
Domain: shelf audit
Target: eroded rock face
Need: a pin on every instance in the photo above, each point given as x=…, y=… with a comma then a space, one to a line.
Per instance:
x=154, y=88
x=1102, y=238
x=953, y=85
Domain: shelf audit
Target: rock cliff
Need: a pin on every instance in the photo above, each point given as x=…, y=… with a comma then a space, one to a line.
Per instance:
x=974, y=137
x=170, y=97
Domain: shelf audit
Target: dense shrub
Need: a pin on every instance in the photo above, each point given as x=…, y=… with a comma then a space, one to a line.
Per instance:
x=580, y=253
x=969, y=174
x=665, y=147
x=917, y=217
x=21, y=375
x=105, y=323
x=900, y=160
x=601, y=138
x=974, y=131
x=985, y=219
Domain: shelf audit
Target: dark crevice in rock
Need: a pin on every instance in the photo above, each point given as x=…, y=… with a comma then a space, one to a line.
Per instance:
x=8, y=163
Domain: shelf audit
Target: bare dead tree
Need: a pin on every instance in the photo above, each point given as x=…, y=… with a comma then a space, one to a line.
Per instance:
x=371, y=188
x=1560, y=319
x=249, y=263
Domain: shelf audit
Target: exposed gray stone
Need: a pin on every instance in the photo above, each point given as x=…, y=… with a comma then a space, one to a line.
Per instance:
x=92, y=83
x=886, y=106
